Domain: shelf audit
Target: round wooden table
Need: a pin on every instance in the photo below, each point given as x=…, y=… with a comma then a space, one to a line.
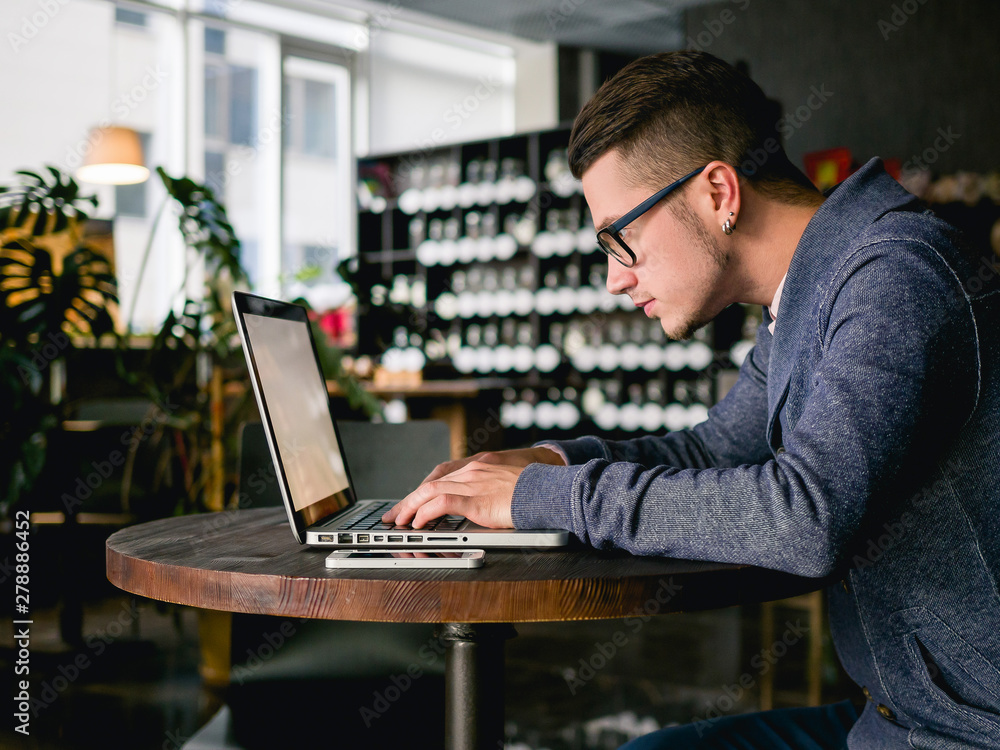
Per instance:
x=248, y=561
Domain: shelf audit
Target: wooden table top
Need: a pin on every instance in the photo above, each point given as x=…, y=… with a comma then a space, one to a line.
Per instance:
x=248, y=561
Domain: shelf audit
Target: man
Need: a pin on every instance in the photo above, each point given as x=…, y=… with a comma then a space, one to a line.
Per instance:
x=860, y=441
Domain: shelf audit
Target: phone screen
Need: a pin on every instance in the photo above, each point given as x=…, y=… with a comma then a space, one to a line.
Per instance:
x=399, y=555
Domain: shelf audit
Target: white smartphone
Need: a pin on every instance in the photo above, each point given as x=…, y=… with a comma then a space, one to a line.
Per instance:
x=407, y=558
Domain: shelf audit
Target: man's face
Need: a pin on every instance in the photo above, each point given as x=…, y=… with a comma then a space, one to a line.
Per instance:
x=680, y=272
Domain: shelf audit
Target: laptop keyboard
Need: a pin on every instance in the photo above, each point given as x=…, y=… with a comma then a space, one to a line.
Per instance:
x=371, y=520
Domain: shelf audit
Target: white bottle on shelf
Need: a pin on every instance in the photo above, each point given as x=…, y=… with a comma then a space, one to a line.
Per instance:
x=545, y=301
x=524, y=189
x=651, y=418
x=504, y=359
x=699, y=355
x=485, y=359
x=524, y=358
x=447, y=197
x=410, y=201
x=466, y=250
x=608, y=357
x=607, y=417
x=593, y=398
x=696, y=414
x=566, y=300
x=545, y=415
x=504, y=246
x=675, y=356
x=631, y=356
x=447, y=252
x=503, y=302
x=427, y=253
x=675, y=417
x=585, y=358
x=652, y=357
x=524, y=415
x=431, y=199
x=468, y=194
x=630, y=417
x=567, y=415
x=547, y=358
x=446, y=306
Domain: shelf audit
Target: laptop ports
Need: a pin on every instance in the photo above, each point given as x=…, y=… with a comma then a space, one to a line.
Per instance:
x=414, y=539
x=362, y=539
x=345, y=538
x=396, y=538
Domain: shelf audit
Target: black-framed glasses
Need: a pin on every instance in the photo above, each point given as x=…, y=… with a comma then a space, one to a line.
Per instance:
x=610, y=239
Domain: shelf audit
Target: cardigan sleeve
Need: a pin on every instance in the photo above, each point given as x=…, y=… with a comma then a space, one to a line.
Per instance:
x=892, y=380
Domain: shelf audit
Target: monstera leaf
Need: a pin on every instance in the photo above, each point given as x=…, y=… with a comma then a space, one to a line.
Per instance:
x=205, y=225
x=35, y=300
x=40, y=201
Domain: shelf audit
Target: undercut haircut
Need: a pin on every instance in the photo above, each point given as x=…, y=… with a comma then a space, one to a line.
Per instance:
x=670, y=113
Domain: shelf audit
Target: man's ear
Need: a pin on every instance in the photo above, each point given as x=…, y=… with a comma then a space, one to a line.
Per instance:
x=722, y=183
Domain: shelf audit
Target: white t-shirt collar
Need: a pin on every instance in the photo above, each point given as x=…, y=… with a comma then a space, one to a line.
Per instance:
x=773, y=307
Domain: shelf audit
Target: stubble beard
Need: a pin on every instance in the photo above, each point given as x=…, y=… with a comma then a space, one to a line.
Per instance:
x=720, y=257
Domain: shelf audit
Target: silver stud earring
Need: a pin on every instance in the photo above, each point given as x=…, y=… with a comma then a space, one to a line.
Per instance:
x=727, y=226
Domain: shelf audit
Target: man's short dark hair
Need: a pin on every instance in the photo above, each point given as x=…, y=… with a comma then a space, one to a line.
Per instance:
x=668, y=114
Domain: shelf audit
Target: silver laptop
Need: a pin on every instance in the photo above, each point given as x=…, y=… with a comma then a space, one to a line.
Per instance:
x=309, y=459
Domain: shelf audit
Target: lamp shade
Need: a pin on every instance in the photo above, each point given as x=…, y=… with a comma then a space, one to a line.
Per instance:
x=115, y=158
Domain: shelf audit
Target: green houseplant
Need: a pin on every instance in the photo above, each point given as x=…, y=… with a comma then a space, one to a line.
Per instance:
x=53, y=285
x=196, y=352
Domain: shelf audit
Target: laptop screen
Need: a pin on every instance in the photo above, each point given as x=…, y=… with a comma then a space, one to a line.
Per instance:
x=295, y=408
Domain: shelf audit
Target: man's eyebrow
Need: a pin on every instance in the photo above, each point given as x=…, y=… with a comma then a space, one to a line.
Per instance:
x=607, y=223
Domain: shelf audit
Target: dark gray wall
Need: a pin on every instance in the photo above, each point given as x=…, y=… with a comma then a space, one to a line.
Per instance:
x=891, y=86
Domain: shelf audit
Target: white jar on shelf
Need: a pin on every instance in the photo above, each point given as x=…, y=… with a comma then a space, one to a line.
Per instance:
x=675, y=356
x=427, y=253
x=411, y=200
x=524, y=358
x=547, y=358
x=699, y=355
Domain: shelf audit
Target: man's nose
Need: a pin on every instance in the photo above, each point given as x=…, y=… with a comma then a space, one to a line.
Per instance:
x=620, y=278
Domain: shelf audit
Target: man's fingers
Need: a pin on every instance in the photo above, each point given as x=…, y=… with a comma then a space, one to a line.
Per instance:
x=404, y=511
x=441, y=505
x=446, y=468
x=488, y=457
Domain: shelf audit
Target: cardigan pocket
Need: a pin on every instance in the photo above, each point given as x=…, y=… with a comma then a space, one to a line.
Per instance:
x=952, y=683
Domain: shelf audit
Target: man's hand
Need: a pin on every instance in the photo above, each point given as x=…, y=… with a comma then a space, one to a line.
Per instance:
x=479, y=487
